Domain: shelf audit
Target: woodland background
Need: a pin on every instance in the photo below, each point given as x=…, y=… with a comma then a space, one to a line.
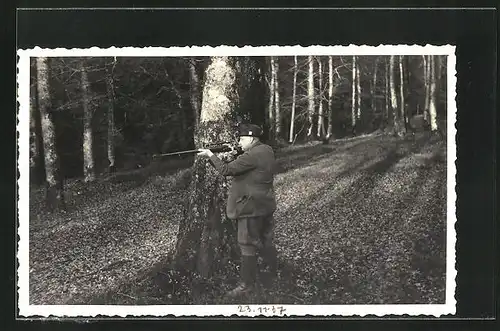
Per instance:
x=360, y=141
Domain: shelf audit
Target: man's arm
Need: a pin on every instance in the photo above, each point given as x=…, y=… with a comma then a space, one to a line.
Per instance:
x=242, y=164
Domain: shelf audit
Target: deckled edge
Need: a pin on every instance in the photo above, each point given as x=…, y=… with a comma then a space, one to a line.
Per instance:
x=34, y=311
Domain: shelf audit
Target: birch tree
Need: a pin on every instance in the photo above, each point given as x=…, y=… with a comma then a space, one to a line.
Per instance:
x=401, y=90
x=358, y=92
x=294, y=97
x=432, y=94
x=88, y=113
x=272, y=96
x=330, y=97
x=277, y=111
x=354, y=99
x=394, y=97
x=310, y=95
x=54, y=186
x=205, y=238
x=387, y=90
x=321, y=119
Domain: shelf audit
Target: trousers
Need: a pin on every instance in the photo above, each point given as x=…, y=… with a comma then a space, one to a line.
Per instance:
x=255, y=234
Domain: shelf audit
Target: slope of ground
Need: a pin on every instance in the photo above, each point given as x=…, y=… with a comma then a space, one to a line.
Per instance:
x=359, y=221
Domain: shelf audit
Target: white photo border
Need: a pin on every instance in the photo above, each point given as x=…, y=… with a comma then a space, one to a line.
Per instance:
x=23, y=81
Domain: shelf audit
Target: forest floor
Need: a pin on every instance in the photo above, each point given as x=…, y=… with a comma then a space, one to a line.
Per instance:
x=359, y=221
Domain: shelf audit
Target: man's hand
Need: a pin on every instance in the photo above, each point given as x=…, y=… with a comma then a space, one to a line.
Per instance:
x=205, y=152
x=233, y=150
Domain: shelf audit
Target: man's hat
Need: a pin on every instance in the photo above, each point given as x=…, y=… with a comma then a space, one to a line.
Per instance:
x=251, y=130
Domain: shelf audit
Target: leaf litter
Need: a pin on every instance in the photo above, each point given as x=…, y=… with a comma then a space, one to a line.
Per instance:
x=359, y=221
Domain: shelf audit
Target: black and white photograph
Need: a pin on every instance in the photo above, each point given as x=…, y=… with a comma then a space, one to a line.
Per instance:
x=246, y=181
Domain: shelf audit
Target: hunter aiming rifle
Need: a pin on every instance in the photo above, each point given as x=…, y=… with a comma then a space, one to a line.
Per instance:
x=215, y=148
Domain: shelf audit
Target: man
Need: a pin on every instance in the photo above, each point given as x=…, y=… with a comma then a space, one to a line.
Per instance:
x=251, y=201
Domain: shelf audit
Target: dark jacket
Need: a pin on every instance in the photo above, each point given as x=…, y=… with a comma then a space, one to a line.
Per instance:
x=251, y=193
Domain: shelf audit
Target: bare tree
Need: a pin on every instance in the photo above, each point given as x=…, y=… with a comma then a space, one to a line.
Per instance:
x=35, y=129
x=88, y=113
x=111, y=117
x=54, y=186
x=394, y=97
x=330, y=97
x=358, y=91
x=401, y=90
x=374, y=85
x=294, y=96
x=272, y=96
x=205, y=236
x=432, y=94
x=321, y=119
x=310, y=95
x=277, y=111
x=195, y=95
x=354, y=89
x=387, y=90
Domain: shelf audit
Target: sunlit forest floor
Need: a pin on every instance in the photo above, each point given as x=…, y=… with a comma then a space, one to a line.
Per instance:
x=359, y=221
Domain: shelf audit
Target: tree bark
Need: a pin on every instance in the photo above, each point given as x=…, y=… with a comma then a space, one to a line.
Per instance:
x=294, y=97
x=195, y=95
x=427, y=82
x=432, y=96
x=321, y=119
x=88, y=113
x=353, y=99
x=394, y=98
x=401, y=91
x=358, y=91
x=111, y=117
x=387, y=91
x=277, y=111
x=206, y=240
x=374, y=86
x=330, y=97
x=310, y=96
x=54, y=186
x=272, y=96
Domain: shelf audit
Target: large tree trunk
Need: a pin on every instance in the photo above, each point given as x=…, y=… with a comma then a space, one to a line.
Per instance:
x=88, y=113
x=310, y=96
x=394, y=99
x=432, y=92
x=111, y=117
x=277, y=120
x=54, y=186
x=353, y=99
x=206, y=240
x=36, y=142
x=294, y=97
x=321, y=119
x=195, y=95
x=330, y=97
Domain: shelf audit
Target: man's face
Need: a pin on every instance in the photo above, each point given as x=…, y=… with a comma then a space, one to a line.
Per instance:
x=246, y=142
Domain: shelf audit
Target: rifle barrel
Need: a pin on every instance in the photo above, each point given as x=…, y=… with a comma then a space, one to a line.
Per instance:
x=191, y=151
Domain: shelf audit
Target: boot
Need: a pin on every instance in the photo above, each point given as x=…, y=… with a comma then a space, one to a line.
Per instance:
x=270, y=260
x=248, y=274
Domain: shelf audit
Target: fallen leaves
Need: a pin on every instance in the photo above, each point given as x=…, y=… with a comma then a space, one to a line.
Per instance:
x=359, y=221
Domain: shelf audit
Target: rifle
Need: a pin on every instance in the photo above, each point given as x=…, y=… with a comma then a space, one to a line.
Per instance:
x=215, y=148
